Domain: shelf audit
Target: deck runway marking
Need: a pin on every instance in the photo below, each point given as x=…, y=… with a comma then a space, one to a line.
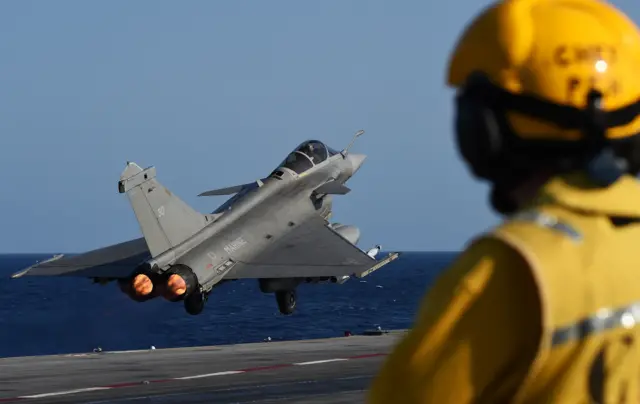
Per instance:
x=230, y=372
x=67, y=392
x=192, y=377
x=319, y=362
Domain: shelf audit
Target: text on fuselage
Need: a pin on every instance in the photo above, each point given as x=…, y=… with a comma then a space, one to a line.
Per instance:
x=235, y=245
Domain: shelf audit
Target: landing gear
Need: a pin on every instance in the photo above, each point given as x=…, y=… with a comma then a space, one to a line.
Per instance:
x=195, y=302
x=286, y=301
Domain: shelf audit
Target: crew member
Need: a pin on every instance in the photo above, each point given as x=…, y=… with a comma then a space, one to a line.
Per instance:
x=544, y=307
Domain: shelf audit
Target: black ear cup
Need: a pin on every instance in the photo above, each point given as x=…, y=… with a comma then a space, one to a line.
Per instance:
x=478, y=136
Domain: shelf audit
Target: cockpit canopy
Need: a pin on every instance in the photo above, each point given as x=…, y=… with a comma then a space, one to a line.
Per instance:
x=307, y=155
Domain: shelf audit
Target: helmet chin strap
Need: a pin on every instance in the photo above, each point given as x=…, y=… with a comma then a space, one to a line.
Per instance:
x=604, y=168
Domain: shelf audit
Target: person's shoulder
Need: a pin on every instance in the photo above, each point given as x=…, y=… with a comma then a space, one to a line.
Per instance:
x=489, y=275
x=490, y=252
x=486, y=264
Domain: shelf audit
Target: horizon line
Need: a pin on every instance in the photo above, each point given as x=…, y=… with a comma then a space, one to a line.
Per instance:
x=82, y=252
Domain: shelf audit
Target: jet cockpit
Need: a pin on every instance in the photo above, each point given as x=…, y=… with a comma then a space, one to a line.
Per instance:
x=307, y=155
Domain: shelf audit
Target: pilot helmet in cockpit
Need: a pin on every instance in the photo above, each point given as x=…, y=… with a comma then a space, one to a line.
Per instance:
x=308, y=149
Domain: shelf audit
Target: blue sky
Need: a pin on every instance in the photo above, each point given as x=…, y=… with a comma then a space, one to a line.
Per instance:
x=215, y=93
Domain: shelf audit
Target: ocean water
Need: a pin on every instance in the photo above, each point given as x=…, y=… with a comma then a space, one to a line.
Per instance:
x=71, y=315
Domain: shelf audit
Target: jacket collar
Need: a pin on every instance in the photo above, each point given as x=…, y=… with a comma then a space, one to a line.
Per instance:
x=575, y=192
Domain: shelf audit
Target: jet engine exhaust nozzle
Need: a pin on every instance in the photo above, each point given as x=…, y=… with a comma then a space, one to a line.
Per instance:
x=180, y=282
x=142, y=285
x=176, y=285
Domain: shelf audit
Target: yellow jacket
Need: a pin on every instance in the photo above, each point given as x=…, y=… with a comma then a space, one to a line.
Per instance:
x=524, y=313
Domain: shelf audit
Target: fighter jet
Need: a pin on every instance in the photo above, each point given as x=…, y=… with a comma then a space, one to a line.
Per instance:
x=275, y=229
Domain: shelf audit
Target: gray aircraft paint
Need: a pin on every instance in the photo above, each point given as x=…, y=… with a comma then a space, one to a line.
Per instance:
x=275, y=229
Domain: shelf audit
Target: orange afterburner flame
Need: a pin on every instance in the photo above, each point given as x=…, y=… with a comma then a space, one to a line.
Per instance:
x=176, y=285
x=142, y=285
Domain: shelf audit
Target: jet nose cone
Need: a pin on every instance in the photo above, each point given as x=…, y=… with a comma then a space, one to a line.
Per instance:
x=356, y=161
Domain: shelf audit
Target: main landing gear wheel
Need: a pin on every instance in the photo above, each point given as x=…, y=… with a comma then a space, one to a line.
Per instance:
x=286, y=301
x=195, y=302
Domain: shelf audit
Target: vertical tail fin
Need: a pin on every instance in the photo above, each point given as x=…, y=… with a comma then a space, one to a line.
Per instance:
x=165, y=220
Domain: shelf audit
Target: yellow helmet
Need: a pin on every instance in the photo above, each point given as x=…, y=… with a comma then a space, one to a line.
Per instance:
x=526, y=71
x=557, y=50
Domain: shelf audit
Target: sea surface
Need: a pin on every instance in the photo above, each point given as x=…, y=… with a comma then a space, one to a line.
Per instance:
x=71, y=315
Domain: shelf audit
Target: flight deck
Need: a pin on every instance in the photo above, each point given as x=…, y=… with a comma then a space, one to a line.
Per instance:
x=335, y=370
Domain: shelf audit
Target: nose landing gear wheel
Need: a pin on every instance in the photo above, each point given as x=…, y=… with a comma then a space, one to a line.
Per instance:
x=195, y=302
x=286, y=301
